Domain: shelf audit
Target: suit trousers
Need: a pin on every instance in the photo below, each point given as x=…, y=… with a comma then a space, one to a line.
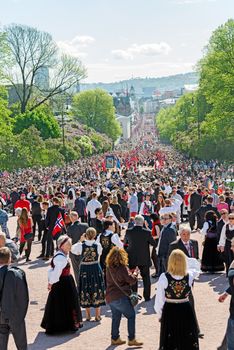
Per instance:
x=162, y=264
x=19, y=334
x=49, y=244
x=145, y=274
x=192, y=217
x=37, y=221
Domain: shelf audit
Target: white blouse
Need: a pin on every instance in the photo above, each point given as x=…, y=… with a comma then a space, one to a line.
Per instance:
x=204, y=229
x=222, y=239
x=60, y=261
x=162, y=285
x=77, y=247
x=114, y=239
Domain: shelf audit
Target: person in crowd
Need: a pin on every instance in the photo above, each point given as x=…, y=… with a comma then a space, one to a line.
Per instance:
x=201, y=213
x=11, y=245
x=167, y=236
x=160, y=203
x=138, y=241
x=14, y=197
x=222, y=204
x=91, y=206
x=195, y=202
x=51, y=217
x=44, y=208
x=146, y=209
x=119, y=280
x=62, y=310
x=98, y=223
x=156, y=228
x=222, y=297
x=108, y=238
x=14, y=300
x=70, y=201
x=176, y=196
x=36, y=216
x=214, y=196
x=190, y=248
x=23, y=203
x=222, y=221
x=3, y=221
x=80, y=207
x=224, y=246
x=26, y=235
x=133, y=203
x=91, y=280
x=75, y=231
x=211, y=258
x=172, y=299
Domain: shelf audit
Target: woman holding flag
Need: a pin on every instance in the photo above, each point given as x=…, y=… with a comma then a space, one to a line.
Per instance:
x=62, y=311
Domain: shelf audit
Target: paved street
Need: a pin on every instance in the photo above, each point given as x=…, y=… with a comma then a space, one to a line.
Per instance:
x=212, y=316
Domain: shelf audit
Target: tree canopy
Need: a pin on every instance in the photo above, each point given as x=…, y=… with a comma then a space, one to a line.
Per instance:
x=201, y=123
x=95, y=109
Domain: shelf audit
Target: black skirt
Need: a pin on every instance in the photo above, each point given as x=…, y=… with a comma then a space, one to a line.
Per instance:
x=178, y=327
x=91, y=285
x=62, y=309
x=211, y=258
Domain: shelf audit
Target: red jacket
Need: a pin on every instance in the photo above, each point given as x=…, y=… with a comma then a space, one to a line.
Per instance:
x=22, y=203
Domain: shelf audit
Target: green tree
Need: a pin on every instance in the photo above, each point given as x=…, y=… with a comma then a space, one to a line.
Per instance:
x=95, y=109
x=42, y=118
x=30, y=56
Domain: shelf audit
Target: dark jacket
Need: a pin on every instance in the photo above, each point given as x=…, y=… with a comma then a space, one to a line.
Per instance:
x=202, y=212
x=80, y=206
x=15, y=299
x=76, y=230
x=123, y=277
x=138, y=240
x=14, y=197
x=230, y=290
x=180, y=245
x=52, y=215
x=36, y=208
x=98, y=225
x=167, y=236
x=195, y=201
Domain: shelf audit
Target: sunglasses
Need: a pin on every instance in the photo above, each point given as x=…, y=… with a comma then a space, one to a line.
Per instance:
x=223, y=213
x=231, y=218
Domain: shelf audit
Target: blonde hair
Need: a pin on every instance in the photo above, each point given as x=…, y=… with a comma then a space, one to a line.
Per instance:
x=177, y=263
x=90, y=233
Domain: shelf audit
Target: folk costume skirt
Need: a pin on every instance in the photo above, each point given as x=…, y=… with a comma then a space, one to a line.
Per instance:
x=211, y=258
x=178, y=327
x=62, y=309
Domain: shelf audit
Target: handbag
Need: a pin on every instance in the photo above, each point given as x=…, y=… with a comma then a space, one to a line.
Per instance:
x=134, y=297
x=28, y=236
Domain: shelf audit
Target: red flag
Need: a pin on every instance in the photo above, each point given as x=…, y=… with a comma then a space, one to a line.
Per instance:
x=59, y=224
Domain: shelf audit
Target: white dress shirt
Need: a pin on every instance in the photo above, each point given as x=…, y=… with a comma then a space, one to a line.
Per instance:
x=60, y=261
x=92, y=205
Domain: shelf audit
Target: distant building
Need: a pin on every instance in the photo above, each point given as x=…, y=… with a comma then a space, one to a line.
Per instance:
x=150, y=106
x=148, y=91
x=42, y=78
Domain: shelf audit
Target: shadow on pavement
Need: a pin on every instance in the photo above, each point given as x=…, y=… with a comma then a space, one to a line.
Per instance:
x=43, y=341
x=217, y=281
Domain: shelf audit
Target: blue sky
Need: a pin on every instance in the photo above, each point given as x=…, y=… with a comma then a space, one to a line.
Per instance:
x=120, y=39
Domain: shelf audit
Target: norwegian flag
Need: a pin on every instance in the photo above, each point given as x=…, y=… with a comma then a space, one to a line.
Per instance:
x=59, y=225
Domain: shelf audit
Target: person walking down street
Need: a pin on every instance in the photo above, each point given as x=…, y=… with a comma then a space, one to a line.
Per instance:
x=172, y=299
x=14, y=301
x=119, y=281
x=91, y=279
x=26, y=235
x=138, y=241
x=3, y=221
x=211, y=257
x=62, y=310
x=91, y=206
x=227, y=234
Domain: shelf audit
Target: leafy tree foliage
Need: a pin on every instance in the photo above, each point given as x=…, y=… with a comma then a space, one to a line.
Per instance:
x=201, y=124
x=95, y=109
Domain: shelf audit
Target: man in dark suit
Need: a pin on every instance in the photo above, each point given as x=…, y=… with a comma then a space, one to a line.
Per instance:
x=138, y=240
x=75, y=231
x=51, y=217
x=14, y=302
x=190, y=249
x=195, y=204
x=204, y=209
x=167, y=235
x=80, y=207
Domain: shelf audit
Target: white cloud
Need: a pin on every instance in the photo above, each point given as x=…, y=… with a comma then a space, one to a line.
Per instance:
x=75, y=46
x=144, y=49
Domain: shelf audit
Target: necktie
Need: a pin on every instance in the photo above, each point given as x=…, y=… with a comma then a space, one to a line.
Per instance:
x=188, y=248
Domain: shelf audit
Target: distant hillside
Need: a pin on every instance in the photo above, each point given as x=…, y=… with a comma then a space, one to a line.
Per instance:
x=172, y=82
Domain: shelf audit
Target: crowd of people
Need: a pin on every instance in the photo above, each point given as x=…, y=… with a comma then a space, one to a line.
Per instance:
x=113, y=224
